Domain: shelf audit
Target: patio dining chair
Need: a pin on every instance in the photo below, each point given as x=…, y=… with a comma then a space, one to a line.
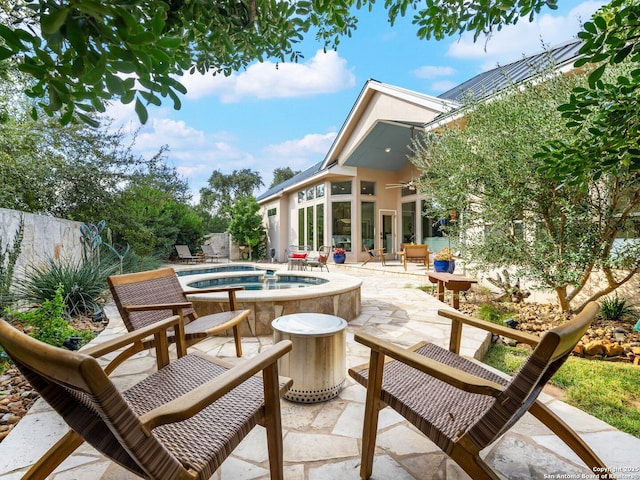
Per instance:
x=180, y=422
x=144, y=298
x=319, y=259
x=461, y=405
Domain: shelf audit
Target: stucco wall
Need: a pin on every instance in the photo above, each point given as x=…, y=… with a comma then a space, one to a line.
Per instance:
x=44, y=237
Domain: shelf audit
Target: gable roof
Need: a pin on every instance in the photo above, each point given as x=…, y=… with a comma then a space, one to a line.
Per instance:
x=482, y=85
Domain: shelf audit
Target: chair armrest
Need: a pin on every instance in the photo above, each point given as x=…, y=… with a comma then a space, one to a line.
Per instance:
x=129, y=338
x=192, y=402
x=158, y=306
x=453, y=376
x=459, y=319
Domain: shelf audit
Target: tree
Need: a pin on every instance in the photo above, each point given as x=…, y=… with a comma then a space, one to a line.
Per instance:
x=84, y=54
x=511, y=214
x=282, y=174
x=224, y=190
x=605, y=114
x=245, y=226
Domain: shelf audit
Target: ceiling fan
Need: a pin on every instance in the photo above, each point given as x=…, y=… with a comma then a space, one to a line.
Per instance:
x=411, y=185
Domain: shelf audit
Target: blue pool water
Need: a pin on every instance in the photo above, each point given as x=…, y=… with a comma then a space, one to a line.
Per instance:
x=259, y=282
x=224, y=268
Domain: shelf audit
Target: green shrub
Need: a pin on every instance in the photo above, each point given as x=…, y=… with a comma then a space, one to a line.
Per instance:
x=84, y=283
x=615, y=308
x=48, y=322
x=494, y=312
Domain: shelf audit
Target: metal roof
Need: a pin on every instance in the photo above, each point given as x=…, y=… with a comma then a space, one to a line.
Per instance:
x=494, y=80
x=309, y=172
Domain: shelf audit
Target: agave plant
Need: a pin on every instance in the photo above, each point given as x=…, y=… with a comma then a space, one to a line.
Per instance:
x=83, y=283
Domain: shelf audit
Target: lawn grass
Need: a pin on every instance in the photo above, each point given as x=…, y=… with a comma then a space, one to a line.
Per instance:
x=609, y=391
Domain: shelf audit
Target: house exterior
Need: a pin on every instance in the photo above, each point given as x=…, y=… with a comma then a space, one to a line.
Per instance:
x=361, y=195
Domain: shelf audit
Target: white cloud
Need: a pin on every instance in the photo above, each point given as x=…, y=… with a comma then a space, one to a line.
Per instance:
x=432, y=71
x=298, y=154
x=524, y=38
x=324, y=73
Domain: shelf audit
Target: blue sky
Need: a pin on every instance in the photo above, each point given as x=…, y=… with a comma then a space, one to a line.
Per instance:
x=263, y=118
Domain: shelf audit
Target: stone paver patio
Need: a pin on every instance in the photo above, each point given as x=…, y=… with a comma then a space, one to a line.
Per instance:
x=322, y=441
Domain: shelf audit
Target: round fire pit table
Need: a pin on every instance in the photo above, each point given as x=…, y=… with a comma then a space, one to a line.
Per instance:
x=317, y=361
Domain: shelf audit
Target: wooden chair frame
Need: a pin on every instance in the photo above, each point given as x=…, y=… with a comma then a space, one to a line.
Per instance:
x=56, y=372
x=553, y=349
x=170, y=299
x=415, y=253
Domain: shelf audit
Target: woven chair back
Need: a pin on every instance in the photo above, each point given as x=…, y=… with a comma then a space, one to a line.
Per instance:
x=553, y=350
x=75, y=385
x=147, y=288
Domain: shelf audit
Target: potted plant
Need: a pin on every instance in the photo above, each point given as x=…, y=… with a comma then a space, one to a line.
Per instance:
x=339, y=255
x=443, y=261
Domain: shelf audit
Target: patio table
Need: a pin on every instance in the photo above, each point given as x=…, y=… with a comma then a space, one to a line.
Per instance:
x=453, y=282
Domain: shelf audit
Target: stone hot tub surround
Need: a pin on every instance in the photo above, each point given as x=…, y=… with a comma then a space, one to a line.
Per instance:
x=339, y=296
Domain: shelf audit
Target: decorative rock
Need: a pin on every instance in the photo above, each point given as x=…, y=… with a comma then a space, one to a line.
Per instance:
x=595, y=348
x=613, y=349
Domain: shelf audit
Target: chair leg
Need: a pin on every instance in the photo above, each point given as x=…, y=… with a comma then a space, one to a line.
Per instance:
x=273, y=421
x=237, y=339
x=568, y=436
x=54, y=456
x=371, y=409
x=471, y=463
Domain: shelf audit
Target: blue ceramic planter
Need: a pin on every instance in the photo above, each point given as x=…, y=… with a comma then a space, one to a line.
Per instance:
x=447, y=266
x=339, y=257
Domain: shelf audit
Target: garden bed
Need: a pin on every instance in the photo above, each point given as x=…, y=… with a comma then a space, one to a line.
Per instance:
x=16, y=394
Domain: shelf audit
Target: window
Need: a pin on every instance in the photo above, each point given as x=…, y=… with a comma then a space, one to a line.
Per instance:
x=320, y=190
x=367, y=188
x=301, y=196
x=300, y=226
x=341, y=224
x=319, y=225
x=341, y=188
x=311, y=193
x=368, y=219
x=310, y=226
x=272, y=212
x=406, y=191
x=409, y=222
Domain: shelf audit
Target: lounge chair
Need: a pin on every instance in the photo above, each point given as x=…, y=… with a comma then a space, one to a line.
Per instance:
x=181, y=422
x=319, y=259
x=414, y=253
x=210, y=254
x=460, y=405
x=373, y=253
x=184, y=255
x=144, y=298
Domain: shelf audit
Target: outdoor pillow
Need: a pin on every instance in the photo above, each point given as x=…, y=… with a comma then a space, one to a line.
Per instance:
x=299, y=255
x=322, y=258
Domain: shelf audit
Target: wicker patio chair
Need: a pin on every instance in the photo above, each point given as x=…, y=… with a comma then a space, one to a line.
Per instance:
x=460, y=405
x=184, y=255
x=146, y=297
x=181, y=422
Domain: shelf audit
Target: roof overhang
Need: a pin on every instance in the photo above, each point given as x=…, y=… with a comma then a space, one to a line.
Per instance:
x=385, y=146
